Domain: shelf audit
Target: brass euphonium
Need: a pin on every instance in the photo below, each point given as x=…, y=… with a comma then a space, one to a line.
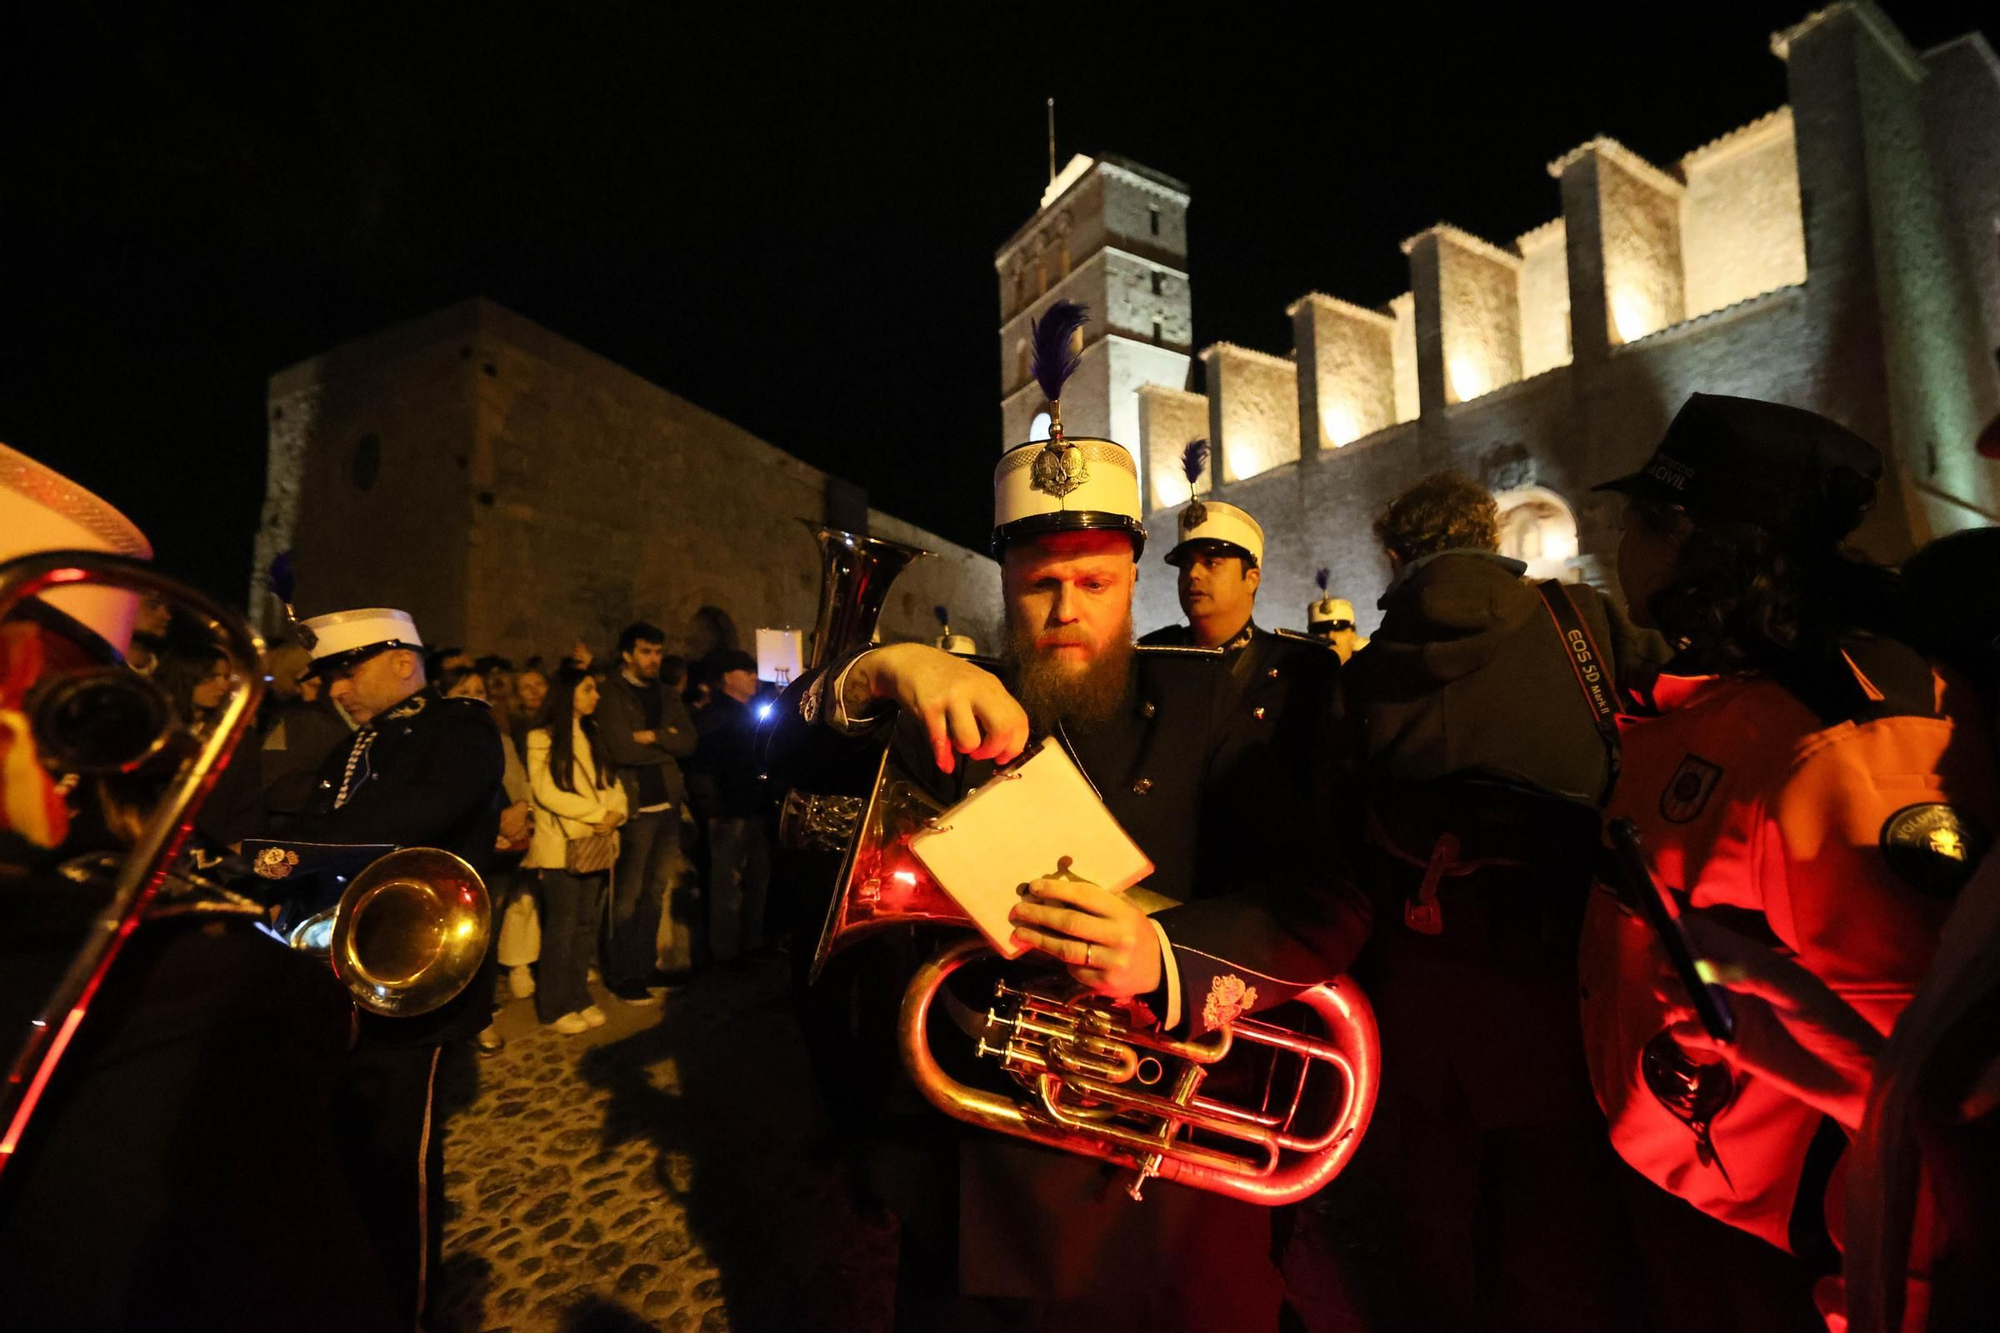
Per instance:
x=1081, y=1075
x=408, y=933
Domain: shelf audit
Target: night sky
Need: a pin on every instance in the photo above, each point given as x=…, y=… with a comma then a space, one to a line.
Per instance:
x=790, y=221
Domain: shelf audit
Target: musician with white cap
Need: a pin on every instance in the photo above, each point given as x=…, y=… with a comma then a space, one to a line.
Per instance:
x=1332, y=619
x=1283, y=680
x=421, y=770
x=1220, y=558
x=145, y=1190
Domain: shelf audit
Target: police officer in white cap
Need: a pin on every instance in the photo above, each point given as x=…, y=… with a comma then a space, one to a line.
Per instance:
x=421, y=770
x=1276, y=675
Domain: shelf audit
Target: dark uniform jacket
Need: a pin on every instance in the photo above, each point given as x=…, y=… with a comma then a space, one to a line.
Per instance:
x=179, y=1168
x=1280, y=677
x=429, y=777
x=1260, y=915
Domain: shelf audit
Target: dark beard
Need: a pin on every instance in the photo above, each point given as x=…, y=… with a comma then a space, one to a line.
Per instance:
x=1052, y=695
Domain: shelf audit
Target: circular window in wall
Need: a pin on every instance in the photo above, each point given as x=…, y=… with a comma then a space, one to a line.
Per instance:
x=1537, y=528
x=366, y=464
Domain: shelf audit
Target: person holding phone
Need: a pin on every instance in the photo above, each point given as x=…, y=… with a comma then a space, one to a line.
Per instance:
x=1799, y=776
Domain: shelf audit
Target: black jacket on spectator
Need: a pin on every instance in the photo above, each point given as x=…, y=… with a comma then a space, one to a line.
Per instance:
x=1468, y=676
x=623, y=711
x=1482, y=772
x=727, y=758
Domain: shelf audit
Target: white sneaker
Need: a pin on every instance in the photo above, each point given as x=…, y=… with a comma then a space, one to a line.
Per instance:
x=521, y=981
x=594, y=1016
x=571, y=1024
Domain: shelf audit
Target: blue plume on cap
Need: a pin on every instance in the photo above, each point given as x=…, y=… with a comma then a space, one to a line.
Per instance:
x=1193, y=459
x=278, y=578
x=1053, y=361
x=1324, y=577
x=943, y=616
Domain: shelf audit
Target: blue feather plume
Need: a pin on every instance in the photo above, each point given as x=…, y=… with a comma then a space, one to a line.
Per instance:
x=1193, y=459
x=1053, y=360
x=943, y=616
x=278, y=578
x=1324, y=577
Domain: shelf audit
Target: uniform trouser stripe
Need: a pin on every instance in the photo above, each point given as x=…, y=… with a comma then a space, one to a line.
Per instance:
x=424, y=1191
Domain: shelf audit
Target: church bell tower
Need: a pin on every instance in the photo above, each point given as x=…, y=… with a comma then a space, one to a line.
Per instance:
x=1110, y=235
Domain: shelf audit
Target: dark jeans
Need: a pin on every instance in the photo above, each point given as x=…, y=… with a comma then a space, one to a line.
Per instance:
x=646, y=856
x=572, y=905
x=739, y=877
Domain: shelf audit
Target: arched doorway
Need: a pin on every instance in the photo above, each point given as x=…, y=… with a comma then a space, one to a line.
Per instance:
x=1538, y=528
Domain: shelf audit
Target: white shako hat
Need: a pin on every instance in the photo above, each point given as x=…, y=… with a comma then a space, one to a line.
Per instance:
x=42, y=510
x=346, y=637
x=1330, y=610
x=1213, y=521
x=960, y=644
x=1064, y=484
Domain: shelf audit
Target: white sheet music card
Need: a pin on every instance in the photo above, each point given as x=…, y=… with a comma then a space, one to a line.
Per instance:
x=1039, y=819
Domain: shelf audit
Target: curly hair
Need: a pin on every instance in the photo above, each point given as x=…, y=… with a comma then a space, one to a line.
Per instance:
x=1446, y=511
x=1741, y=599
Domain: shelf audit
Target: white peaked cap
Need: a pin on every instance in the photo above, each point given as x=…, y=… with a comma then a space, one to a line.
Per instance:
x=960, y=645
x=1212, y=521
x=42, y=510
x=1066, y=486
x=345, y=636
x=1329, y=609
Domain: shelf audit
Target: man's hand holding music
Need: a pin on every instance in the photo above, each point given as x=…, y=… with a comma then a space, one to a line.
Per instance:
x=1102, y=936
x=966, y=710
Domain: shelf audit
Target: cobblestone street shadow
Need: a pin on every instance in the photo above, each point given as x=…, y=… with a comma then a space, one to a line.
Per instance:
x=663, y=1173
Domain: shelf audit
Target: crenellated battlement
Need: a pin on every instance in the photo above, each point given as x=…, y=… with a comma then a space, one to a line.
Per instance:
x=1669, y=245
x=1547, y=362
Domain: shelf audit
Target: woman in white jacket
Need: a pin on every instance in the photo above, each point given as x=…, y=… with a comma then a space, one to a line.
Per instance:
x=577, y=795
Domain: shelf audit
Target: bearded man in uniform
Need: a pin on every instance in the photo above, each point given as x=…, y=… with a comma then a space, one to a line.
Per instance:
x=1250, y=910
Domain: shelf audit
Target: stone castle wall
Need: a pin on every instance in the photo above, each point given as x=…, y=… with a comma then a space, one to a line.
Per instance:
x=530, y=492
x=1555, y=364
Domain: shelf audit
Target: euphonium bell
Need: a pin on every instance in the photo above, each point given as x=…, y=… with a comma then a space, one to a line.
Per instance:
x=408, y=934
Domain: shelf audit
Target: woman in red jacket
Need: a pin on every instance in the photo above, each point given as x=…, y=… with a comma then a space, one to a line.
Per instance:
x=1799, y=777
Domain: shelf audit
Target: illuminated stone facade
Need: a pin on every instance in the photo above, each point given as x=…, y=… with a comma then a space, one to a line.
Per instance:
x=513, y=491
x=1111, y=235
x=1838, y=253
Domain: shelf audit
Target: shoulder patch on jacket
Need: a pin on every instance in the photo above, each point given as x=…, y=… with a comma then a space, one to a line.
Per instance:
x=1934, y=847
x=1688, y=789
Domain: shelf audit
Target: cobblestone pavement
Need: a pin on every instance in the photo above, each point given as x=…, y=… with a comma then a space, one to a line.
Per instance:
x=668, y=1171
